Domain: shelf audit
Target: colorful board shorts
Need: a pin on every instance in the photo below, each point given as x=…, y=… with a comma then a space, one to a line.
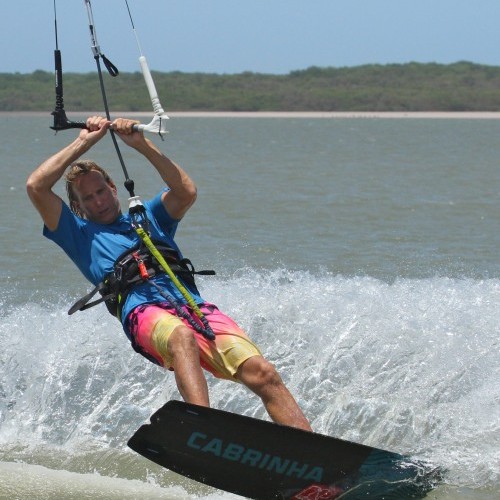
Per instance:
x=151, y=325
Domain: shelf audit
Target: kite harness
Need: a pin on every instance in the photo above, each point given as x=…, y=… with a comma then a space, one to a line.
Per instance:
x=141, y=264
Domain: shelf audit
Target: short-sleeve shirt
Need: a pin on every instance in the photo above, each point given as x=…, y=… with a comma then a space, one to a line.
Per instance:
x=94, y=248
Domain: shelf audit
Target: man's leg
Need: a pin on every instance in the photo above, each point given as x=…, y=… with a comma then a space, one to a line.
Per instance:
x=185, y=355
x=260, y=376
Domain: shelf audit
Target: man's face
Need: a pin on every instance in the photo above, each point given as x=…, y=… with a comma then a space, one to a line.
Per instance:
x=97, y=199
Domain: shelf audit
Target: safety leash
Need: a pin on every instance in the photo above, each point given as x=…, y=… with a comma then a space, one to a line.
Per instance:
x=207, y=330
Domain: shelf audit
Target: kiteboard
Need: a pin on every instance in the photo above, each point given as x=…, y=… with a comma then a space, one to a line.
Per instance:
x=262, y=460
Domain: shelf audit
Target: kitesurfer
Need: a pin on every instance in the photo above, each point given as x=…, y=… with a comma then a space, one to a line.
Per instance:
x=95, y=234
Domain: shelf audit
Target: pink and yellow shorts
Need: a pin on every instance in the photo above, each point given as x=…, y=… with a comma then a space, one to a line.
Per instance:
x=152, y=324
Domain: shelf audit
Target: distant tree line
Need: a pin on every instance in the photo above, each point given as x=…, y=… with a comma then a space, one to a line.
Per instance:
x=462, y=86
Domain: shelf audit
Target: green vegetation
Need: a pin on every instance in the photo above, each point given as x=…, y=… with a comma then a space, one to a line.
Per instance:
x=462, y=86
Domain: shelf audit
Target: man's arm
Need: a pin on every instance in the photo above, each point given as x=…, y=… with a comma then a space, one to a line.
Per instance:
x=40, y=183
x=182, y=192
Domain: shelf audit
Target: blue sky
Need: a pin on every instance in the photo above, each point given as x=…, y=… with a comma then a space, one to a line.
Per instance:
x=266, y=36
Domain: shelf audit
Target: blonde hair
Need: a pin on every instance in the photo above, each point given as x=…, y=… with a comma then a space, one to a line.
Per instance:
x=76, y=171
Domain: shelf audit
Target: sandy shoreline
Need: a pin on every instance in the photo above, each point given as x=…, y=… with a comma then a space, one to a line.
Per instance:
x=491, y=115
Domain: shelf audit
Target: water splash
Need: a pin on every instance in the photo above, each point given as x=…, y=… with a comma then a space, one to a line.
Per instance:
x=410, y=366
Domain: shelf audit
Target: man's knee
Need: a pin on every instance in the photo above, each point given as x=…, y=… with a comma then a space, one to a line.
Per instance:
x=257, y=372
x=182, y=342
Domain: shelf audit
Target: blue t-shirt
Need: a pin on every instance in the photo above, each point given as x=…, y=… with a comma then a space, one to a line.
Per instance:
x=94, y=248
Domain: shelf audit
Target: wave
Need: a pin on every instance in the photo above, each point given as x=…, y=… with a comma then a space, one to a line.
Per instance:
x=23, y=481
x=409, y=366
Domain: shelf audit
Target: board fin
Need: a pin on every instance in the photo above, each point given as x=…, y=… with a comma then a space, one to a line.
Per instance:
x=263, y=460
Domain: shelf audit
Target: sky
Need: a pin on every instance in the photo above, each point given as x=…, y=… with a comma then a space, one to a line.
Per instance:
x=262, y=36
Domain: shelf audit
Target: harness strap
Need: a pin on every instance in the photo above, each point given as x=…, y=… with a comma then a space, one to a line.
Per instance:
x=84, y=303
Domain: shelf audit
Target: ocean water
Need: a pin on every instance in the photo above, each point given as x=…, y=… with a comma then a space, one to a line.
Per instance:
x=360, y=254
